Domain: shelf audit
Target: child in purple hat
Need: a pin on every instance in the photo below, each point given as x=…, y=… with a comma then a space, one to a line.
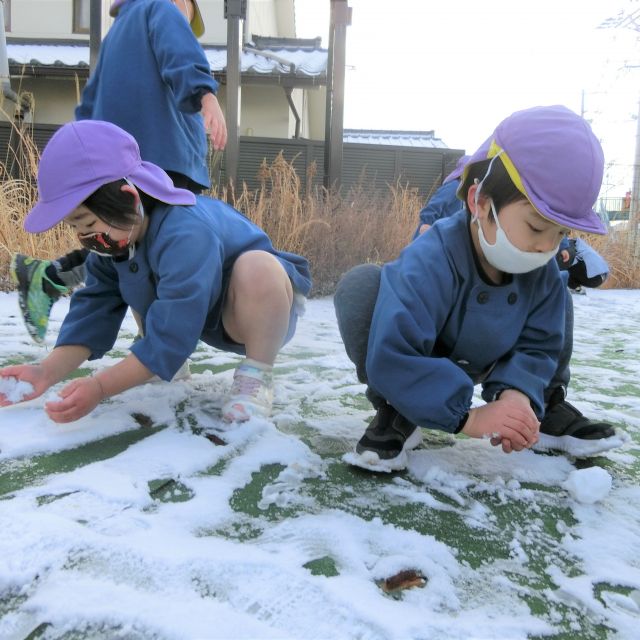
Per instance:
x=563, y=427
x=193, y=268
x=478, y=299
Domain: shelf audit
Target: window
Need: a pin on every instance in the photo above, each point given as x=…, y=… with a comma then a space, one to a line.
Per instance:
x=81, y=16
x=7, y=15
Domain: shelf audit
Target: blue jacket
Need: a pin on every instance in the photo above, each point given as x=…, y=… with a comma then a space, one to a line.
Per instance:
x=174, y=281
x=439, y=327
x=442, y=204
x=149, y=79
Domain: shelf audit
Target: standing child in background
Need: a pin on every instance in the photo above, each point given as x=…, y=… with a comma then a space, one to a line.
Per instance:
x=152, y=79
x=478, y=299
x=193, y=268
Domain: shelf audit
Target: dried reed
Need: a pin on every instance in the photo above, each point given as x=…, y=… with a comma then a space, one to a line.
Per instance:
x=334, y=231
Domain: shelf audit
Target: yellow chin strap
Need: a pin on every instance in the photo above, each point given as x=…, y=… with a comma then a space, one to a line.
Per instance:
x=494, y=150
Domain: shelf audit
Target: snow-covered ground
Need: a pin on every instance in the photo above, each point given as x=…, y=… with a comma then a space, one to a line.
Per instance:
x=147, y=520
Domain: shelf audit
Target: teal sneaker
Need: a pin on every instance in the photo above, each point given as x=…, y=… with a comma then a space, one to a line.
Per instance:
x=36, y=293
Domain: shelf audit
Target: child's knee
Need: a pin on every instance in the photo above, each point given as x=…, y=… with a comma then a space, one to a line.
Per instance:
x=259, y=273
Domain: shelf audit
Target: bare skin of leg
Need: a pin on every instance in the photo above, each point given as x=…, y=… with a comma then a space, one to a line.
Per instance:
x=258, y=305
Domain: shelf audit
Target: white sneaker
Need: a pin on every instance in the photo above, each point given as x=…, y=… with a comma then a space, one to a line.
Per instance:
x=251, y=393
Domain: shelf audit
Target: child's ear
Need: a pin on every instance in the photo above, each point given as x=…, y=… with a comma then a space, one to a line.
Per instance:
x=129, y=188
x=483, y=202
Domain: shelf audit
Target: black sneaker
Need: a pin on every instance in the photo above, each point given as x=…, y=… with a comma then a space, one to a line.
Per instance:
x=385, y=443
x=565, y=429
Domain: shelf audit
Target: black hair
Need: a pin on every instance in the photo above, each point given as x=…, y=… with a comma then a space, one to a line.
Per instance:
x=497, y=185
x=115, y=207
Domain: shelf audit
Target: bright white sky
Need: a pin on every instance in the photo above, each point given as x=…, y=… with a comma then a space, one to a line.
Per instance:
x=461, y=67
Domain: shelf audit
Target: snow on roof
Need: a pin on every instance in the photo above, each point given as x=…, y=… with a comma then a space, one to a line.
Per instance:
x=302, y=61
x=397, y=138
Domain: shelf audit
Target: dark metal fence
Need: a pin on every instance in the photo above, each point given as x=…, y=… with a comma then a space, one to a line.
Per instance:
x=376, y=165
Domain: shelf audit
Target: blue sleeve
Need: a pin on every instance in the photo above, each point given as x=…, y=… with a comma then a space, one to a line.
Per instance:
x=564, y=243
x=416, y=295
x=442, y=204
x=181, y=60
x=189, y=282
x=531, y=364
x=96, y=311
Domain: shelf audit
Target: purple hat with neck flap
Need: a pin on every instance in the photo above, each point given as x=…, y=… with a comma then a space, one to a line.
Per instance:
x=80, y=158
x=555, y=160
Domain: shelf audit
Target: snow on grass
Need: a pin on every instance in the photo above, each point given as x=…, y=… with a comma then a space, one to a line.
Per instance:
x=149, y=518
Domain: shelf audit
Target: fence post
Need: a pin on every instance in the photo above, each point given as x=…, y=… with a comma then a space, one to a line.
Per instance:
x=235, y=11
x=334, y=116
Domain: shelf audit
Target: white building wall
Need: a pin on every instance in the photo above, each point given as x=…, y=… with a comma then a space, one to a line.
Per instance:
x=49, y=19
x=264, y=110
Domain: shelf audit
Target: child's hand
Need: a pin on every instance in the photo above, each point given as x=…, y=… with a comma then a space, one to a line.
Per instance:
x=34, y=374
x=507, y=421
x=79, y=397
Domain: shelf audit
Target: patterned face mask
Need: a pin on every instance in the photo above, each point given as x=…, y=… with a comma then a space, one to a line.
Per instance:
x=104, y=245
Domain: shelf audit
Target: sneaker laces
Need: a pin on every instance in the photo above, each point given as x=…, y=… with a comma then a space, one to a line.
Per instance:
x=246, y=385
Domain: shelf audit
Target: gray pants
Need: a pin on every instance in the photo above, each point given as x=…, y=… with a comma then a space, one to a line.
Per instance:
x=355, y=299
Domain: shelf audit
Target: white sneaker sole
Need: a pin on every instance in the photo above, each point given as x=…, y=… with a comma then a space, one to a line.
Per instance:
x=578, y=447
x=371, y=461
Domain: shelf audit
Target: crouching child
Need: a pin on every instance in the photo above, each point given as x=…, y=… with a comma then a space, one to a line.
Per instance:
x=191, y=267
x=478, y=299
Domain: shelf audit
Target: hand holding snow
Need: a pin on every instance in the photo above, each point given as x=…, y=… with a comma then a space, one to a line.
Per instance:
x=588, y=485
x=15, y=390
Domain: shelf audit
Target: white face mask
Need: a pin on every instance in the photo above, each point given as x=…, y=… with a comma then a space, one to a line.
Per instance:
x=506, y=257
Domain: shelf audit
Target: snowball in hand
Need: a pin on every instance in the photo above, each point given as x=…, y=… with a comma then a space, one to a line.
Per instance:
x=15, y=390
x=588, y=485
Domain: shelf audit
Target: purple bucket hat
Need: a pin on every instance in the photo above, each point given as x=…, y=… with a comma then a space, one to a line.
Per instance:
x=555, y=160
x=197, y=23
x=81, y=157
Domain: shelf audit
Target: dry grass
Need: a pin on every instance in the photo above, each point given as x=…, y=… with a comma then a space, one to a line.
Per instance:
x=18, y=193
x=623, y=258
x=335, y=232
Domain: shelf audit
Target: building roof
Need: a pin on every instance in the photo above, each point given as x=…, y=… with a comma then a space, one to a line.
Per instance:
x=397, y=138
x=285, y=61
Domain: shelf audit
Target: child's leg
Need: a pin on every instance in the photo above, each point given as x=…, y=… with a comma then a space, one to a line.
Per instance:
x=40, y=284
x=563, y=427
x=257, y=313
x=69, y=270
x=354, y=301
x=389, y=436
x=258, y=305
x=562, y=374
